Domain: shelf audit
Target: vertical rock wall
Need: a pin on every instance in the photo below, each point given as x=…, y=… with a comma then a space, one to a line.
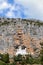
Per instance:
x=16, y=32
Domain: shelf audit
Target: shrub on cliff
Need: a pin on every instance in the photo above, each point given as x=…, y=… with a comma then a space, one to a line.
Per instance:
x=5, y=58
x=2, y=63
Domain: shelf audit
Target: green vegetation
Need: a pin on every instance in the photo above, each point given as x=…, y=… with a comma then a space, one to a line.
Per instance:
x=2, y=63
x=41, y=53
x=37, y=22
x=4, y=23
x=5, y=58
x=19, y=59
x=28, y=59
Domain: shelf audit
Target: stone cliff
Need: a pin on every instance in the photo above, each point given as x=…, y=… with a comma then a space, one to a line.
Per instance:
x=20, y=32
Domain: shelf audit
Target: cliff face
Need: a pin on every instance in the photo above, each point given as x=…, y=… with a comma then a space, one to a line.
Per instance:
x=20, y=32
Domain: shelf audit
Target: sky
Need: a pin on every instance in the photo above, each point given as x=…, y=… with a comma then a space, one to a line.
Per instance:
x=29, y=9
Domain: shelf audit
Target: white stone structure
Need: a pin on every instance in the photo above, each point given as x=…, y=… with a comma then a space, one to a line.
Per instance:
x=21, y=51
